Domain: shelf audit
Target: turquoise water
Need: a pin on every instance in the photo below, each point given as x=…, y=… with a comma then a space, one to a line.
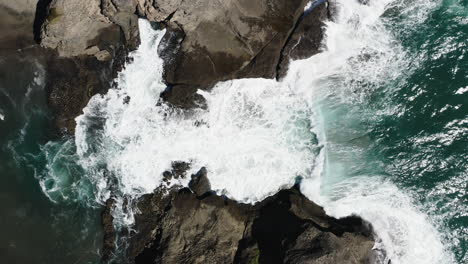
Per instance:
x=411, y=129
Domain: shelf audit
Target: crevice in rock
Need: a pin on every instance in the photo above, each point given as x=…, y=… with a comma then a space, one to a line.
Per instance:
x=42, y=11
x=282, y=54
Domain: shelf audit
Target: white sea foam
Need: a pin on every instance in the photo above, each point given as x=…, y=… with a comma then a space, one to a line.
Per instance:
x=462, y=90
x=257, y=135
x=253, y=130
x=406, y=234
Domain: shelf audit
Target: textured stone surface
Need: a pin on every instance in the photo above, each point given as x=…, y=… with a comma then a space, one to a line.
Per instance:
x=71, y=82
x=221, y=40
x=90, y=41
x=181, y=226
x=75, y=27
x=206, y=41
x=16, y=20
x=305, y=39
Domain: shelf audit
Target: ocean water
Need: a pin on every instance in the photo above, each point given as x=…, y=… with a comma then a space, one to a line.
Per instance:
x=33, y=227
x=375, y=125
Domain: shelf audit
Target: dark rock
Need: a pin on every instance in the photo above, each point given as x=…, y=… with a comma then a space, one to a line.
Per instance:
x=184, y=96
x=206, y=41
x=71, y=82
x=78, y=28
x=184, y=227
x=179, y=170
x=209, y=41
x=85, y=61
x=306, y=38
x=199, y=183
x=110, y=234
x=16, y=22
x=364, y=2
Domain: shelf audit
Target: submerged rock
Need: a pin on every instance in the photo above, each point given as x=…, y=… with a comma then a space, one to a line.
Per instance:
x=197, y=226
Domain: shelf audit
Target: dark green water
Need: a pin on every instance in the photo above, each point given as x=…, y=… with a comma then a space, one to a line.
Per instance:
x=424, y=144
x=421, y=145
x=33, y=228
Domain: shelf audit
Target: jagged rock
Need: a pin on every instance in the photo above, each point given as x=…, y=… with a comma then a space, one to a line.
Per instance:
x=179, y=170
x=110, y=234
x=158, y=10
x=91, y=40
x=199, y=183
x=122, y=13
x=179, y=226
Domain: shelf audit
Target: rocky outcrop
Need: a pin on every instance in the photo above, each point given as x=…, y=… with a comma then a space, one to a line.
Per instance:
x=306, y=37
x=16, y=20
x=91, y=40
x=71, y=82
x=206, y=41
x=194, y=225
x=210, y=41
x=94, y=27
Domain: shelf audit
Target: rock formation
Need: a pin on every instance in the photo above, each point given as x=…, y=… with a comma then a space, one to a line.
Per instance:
x=197, y=226
x=206, y=41
x=211, y=41
x=16, y=19
x=90, y=49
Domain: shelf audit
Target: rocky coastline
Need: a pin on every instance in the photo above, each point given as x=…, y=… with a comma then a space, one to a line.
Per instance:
x=195, y=225
x=206, y=41
x=84, y=44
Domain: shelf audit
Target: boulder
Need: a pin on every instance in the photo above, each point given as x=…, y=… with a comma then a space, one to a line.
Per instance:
x=199, y=184
x=71, y=82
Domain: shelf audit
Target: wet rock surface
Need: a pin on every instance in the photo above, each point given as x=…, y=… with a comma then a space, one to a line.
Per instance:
x=194, y=225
